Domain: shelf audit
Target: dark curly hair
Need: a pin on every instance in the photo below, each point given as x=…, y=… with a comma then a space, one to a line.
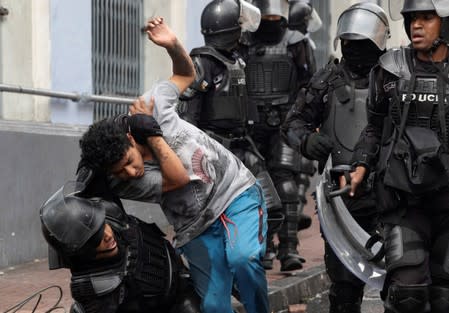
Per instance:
x=104, y=144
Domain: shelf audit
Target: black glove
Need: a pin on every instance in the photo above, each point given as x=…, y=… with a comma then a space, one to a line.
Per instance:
x=143, y=126
x=318, y=146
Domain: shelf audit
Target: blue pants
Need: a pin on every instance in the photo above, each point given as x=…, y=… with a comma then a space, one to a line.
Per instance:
x=230, y=251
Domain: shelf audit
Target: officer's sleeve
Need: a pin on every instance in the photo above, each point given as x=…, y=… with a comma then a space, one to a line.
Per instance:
x=308, y=111
x=147, y=188
x=367, y=148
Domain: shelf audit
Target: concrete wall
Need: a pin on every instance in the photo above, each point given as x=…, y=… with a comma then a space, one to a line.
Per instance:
x=36, y=159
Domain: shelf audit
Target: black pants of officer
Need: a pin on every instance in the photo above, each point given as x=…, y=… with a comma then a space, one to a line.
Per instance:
x=416, y=235
x=346, y=290
x=291, y=185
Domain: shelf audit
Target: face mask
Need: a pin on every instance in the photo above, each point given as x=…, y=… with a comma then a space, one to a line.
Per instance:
x=360, y=55
x=271, y=31
x=223, y=41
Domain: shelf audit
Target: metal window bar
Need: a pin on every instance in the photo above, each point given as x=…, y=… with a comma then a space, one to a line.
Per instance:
x=116, y=52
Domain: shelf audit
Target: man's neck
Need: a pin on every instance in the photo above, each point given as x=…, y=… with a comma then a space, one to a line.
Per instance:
x=439, y=54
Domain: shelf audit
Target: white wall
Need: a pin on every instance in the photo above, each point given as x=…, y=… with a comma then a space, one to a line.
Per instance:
x=71, y=58
x=25, y=58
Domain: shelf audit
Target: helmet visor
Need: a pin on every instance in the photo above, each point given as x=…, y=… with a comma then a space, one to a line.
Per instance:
x=442, y=7
x=315, y=22
x=362, y=24
x=70, y=219
x=249, y=16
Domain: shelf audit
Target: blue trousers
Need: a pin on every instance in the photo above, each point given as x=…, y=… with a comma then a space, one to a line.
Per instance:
x=230, y=251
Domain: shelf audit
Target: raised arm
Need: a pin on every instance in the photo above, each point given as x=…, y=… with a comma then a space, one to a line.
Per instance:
x=174, y=175
x=183, y=70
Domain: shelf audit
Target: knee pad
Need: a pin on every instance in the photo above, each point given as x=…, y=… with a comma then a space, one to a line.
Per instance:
x=283, y=157
x=439, y=257
x=287, y=190
x=403, y=247
x=406, y=299
x=272, y=199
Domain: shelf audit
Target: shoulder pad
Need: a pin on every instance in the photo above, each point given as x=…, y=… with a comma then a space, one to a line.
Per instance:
x=199, y=84
x=294, y=37
x=210, y=51
x=396, y=61
x=320, y=80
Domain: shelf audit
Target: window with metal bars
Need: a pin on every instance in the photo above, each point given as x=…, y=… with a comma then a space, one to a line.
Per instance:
x=116, y=52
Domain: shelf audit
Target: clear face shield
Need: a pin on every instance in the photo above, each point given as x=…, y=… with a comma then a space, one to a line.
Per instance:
x=360, y=24
x=315, y=22
x=395, y=7
x=249, y=16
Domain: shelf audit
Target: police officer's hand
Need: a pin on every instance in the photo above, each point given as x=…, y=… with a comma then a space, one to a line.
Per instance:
x=356, y=179
x=143, y=126
x=318, y=146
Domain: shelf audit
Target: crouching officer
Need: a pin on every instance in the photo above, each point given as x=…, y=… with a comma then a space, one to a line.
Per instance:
x=118, y=262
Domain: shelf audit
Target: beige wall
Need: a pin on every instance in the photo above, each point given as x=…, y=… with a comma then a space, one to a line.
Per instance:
x=25, y=58
x=157, y=62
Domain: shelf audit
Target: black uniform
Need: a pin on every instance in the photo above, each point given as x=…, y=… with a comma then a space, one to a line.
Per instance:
x=406, y=142
x=146, y=275
x=276, y=69
x=335, y=102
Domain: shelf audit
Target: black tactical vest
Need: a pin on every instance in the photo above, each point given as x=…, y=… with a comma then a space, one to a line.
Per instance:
x=424, y=108
x=271, y=74
x=226, y=107
x=345, y=121
x=414, y=152
x=147, y=263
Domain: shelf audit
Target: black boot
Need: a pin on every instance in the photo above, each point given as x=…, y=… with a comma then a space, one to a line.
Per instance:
x=288, y=239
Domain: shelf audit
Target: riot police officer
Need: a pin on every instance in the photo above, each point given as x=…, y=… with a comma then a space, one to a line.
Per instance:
x=118, y=262
x=335, y=103
x=279, y=61
x=406, y=143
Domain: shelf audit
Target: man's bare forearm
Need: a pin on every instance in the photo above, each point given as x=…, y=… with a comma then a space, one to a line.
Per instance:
x=182, y=63
x=173, y=172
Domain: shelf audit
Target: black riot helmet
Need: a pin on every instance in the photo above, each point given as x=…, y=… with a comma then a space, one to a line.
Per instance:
x=407, y=7
x=71, y=224
x=299, y=14
x=220, y=24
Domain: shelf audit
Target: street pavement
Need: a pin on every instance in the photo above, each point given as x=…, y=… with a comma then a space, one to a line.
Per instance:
x=286, y=289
